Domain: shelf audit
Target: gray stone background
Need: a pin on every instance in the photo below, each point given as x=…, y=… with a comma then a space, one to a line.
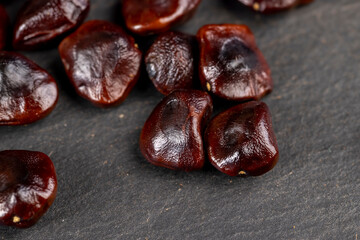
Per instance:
x=107, y=190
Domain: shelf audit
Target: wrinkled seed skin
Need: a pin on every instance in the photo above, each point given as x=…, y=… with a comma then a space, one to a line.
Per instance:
x=40, y=21
x=241, y=141
x=170, y=62
x=27, y=92
x=231, y=65
x=172, y=135
x=28, y=187
x=102, y=62
x=273, y=6
x=145, y=17
x=4, y=24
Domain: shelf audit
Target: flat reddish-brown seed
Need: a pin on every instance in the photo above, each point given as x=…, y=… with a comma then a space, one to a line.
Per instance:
x=4, y=22
x=28, y=187
x=231, y=65
x=146, y=17
x=40, y=21
x=102, y=62
x=170, y=62
x=272, y=6
x=172, y=135
x=241, y=141
x=27, y=92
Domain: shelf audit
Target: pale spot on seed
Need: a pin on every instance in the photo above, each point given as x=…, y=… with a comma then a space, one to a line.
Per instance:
x=16, y=219
x=208, y=86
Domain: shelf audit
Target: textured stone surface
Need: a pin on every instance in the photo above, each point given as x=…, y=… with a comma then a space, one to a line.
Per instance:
x=107, y=190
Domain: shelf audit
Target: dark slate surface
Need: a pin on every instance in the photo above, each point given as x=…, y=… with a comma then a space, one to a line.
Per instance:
x=108, y=191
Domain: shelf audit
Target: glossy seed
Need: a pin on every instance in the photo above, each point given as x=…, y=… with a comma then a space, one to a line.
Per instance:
x=28, y=187
x=41, y=21
x=241, y=141
x=172, y=135
x=231, y=65
x=27, y=92
x=146, y=17
x=102, y=62
x=170, y=62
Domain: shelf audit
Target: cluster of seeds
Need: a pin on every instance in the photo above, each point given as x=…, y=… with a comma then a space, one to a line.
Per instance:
x=103, y=63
